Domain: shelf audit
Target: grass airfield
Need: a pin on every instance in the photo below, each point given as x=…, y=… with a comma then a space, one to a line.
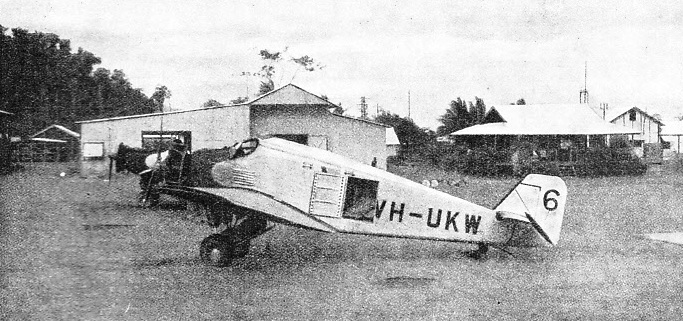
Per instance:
x=81, y=249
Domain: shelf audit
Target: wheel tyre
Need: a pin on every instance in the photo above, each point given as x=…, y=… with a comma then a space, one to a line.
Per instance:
x=217, y=250
x=242, y=250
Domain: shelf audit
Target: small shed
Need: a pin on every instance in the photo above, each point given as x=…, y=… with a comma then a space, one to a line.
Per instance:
x=5, y=147
x=55, y=143
x=672, y=133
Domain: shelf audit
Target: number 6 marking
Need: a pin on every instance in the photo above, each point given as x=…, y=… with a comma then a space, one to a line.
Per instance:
x=550, y=203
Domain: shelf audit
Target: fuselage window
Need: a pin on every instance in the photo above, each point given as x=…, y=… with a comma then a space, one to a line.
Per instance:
x=361, y=199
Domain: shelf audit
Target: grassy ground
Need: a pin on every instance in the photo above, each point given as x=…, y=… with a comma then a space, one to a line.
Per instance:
x=74, y=248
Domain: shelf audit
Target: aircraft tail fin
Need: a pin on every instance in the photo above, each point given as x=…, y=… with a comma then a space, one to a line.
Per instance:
x=538, y=200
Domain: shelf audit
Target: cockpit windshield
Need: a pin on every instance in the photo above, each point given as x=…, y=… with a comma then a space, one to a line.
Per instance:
x=243, y=149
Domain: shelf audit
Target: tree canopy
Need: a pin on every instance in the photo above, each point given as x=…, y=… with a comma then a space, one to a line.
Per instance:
x=43, y=83
x=271, y=59
x=407, y=131
x=461, y=114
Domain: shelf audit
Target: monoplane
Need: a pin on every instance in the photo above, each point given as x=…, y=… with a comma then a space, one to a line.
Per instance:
x=249, y=187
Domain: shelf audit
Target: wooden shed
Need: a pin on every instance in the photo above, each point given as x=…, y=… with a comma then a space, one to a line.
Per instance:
x=5, y=147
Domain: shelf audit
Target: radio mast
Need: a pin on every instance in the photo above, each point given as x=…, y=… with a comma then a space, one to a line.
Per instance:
x=583, y=94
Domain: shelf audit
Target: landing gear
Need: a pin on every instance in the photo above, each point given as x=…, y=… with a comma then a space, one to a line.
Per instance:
x=217, y=250
x=233, y=242
x=480, y=252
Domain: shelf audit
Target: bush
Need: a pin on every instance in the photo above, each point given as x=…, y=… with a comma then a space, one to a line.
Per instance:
x=611, y=161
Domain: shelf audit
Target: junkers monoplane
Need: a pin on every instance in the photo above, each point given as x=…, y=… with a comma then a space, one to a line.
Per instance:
x=249, y=187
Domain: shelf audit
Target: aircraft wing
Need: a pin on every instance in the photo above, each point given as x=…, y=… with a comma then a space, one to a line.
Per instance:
x=275, y=210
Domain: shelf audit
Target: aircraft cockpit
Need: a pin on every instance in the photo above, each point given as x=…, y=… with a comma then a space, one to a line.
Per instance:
x=242, y=149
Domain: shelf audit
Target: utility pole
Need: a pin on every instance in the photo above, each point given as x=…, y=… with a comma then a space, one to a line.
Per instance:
x=363, y=108
x=409, y=104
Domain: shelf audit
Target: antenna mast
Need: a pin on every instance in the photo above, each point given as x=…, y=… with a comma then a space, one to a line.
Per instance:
x=583, y=94
x=408, y=103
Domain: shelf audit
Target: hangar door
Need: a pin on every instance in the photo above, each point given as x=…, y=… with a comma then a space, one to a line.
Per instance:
x=317, y=141
x=152, y=140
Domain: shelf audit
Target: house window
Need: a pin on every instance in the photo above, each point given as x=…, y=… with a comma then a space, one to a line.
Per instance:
x=93, y=150
x=632, y=115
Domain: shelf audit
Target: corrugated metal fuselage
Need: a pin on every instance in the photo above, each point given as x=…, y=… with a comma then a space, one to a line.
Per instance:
x=320, y=190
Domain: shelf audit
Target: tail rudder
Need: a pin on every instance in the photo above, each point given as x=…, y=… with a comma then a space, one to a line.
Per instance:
x=538, y=200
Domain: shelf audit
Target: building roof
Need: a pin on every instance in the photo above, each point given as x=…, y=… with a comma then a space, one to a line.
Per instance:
x=672, y=128
x=552, y=119
x=290, y=95
x=58, y=127
x=286, y=95
x=616, y=113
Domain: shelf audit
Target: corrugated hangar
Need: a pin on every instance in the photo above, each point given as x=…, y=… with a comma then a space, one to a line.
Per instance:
x=288, y=112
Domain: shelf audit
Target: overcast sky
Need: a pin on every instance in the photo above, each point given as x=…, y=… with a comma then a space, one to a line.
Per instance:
x=436, y=50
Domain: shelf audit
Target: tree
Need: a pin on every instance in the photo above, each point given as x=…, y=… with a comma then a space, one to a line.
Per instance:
x=519, y=102
x=456, y=117
x=338, y=109
x=272, y=58
x=239, y=100
x=42, y=82
x=159, y=96
x=211, y=103
x=460, y=115
x=407, y=131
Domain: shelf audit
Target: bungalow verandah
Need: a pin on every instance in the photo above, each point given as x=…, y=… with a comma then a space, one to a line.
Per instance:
x=547, y=134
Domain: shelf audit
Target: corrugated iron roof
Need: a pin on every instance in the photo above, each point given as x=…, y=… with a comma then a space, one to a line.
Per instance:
x=59, y=127
x=552, y=119
x=290, y=94
x=616, y=113
x=391, y=137
x=673, y=128
x=286, y=95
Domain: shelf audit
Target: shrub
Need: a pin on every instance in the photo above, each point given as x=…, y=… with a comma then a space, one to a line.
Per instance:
x=611, y=161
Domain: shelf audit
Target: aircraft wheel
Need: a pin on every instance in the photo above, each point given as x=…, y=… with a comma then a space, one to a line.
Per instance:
x=242, y=250
x=480, y=252
x=217, y=250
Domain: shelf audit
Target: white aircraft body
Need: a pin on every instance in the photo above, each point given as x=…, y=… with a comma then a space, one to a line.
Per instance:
x=264, y=181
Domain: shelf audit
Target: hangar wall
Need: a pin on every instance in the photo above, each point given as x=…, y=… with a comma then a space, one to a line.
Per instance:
x=209, y=127
x=354, y=138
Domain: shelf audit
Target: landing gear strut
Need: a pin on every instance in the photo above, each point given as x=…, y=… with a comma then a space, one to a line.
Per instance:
x=480, y=251
x=233, y=242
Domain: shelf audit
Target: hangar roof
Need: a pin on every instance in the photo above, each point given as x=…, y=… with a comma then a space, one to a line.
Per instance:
x=552, y=119
x=290, y=95
x=286, y=95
